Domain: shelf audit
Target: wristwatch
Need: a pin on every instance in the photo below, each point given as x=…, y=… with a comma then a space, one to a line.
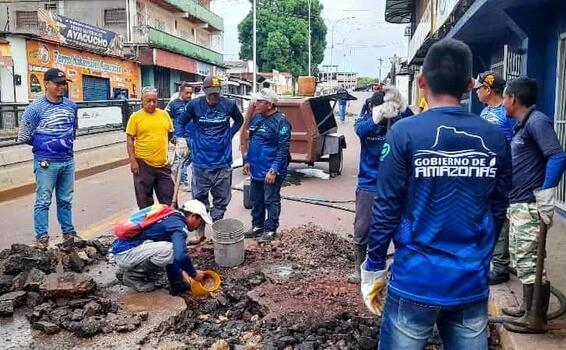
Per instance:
x=272, y=172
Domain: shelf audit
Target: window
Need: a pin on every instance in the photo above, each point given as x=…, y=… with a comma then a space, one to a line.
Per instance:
x=26, y=20
x=114, y=17
x=50, y=6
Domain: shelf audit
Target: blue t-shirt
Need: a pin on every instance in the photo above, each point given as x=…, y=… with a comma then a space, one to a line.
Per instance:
x=498, y=115
x=442, y=195
x=269, y=145
x=533, y=143
x=50, y=128
x=211, y=132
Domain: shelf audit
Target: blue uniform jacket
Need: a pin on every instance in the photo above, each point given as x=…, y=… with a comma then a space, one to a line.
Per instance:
x=212, y=134
x=442, y=194
x=171, y=229
x=498, y=116
x=269, y=142
x=372, y=138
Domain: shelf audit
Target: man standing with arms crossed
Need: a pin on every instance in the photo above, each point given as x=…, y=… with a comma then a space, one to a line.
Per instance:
x=147, y=142
x=49, y=124
x=210, y=116
x=441, y=196
x=489, y=87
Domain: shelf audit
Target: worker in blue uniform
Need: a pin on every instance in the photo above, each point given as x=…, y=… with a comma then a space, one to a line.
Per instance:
x=442, y=194
x=266, y=162
x=372, y=138
x=208, y=119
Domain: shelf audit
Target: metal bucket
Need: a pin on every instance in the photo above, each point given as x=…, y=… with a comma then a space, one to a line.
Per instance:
x=228, y=238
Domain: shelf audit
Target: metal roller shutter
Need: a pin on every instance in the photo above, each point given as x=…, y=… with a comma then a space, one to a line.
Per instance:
x=95, y=88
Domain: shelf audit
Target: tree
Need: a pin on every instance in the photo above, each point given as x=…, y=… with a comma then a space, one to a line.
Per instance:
x=365, y=81
x=282, y=36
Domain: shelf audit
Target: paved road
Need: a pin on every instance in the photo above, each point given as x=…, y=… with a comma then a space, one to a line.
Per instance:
x=102, y=199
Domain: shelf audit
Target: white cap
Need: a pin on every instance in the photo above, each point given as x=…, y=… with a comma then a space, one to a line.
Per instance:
x=265, y=94
x=196, y=207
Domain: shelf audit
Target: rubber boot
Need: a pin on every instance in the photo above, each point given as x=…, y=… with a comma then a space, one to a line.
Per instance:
x=360, y=251
x=535, y=318
x=138, y=280
x=526, y=304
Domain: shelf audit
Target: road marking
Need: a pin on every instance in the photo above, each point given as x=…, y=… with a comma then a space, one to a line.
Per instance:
x=105, y=225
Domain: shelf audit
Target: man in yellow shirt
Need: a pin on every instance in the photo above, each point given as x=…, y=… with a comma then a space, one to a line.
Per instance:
x=147, y=140
x=423, y=105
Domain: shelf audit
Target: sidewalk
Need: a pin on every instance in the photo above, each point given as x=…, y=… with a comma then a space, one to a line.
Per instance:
x=510, y=294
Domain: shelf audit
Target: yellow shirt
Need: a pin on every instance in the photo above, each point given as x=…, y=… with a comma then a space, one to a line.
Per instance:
x=423, y=105
x=151, y=135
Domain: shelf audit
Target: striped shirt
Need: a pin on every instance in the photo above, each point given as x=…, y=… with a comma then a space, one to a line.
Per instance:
x=50, y=128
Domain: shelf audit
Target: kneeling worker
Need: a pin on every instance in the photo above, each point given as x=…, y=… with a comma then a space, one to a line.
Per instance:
x=160, y=243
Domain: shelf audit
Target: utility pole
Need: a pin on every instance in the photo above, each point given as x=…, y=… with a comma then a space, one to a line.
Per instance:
x=254, y=89
x=310, y=38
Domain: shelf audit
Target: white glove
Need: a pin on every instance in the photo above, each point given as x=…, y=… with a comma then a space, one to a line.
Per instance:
x=545, y=204
x=373, y=289
x=181, y=148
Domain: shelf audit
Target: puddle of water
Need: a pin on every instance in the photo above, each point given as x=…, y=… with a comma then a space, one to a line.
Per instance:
x=282, y=271
x=312, y=172
x=15, y=331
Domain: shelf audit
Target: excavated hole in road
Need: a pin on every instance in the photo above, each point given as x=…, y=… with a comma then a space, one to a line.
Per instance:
x=289, y=294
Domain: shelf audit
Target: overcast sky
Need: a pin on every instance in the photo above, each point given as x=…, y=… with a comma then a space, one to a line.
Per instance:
x=358, y=41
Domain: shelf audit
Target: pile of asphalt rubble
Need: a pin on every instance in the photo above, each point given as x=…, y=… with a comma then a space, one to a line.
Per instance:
x=56, y=294
x=290, y=294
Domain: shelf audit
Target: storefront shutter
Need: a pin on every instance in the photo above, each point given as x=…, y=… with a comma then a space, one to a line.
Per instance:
x=95, y=88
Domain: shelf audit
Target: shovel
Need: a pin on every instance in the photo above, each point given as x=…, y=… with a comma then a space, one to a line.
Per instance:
x=536, y=318
x=177, y=183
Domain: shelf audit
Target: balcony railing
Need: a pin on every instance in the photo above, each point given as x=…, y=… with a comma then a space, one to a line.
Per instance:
x=194, y=10
x=150, y=35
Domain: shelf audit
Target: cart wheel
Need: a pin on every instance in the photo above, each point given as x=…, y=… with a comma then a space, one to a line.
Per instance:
x=247, y=199
x=336, y=163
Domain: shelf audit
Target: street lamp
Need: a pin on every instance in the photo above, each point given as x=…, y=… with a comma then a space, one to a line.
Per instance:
x=310, y=38
x=333, y=26
x=254, y=75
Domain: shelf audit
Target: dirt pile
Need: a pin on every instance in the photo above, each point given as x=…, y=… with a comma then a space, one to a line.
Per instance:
x=291, y=293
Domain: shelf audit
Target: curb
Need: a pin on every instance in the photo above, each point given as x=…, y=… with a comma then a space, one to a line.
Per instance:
x=22, y=190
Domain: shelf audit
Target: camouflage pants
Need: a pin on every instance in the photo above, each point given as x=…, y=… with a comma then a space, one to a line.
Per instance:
x=524, y=228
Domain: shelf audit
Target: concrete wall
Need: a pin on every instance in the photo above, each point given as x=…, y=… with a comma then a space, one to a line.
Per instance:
x=92, y=12
x=19, y=56
x=92, y=152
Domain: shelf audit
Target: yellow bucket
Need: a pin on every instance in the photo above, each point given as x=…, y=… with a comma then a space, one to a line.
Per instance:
x=211, y=283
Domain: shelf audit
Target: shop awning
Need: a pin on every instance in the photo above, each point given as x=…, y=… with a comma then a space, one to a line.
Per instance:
x=399, y=11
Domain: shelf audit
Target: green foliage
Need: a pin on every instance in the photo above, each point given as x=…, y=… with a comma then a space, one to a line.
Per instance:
x=282, y=36
x=365, y=81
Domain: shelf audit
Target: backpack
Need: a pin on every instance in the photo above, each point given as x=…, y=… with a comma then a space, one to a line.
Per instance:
x=142, y=219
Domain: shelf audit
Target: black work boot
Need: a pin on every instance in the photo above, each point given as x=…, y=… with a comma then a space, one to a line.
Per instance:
x=360, y=251
x=525, y=305
x=138, y=279
x=498, y=277
x=535, y=318
x=176, y=285
x=254, y=232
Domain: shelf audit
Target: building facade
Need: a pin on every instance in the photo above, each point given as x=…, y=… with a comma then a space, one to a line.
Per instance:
x=109, y=46
x=331, y=79
x=513, y=37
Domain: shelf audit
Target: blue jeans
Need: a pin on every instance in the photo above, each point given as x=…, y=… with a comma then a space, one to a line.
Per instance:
x=58, y=176
x=342, y=112
x=217, y=182
x=266, y=198
x=407, y=325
